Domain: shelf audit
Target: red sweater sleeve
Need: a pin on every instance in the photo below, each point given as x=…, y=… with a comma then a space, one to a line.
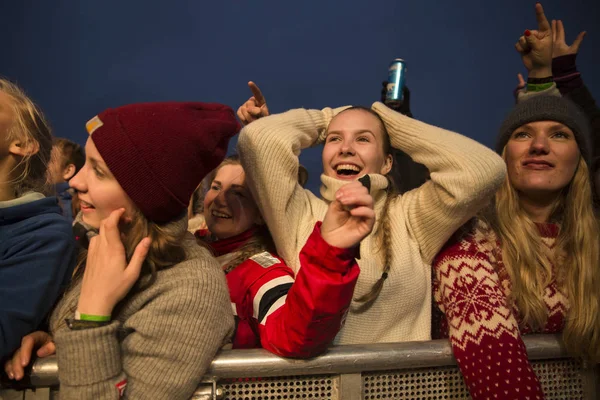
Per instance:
x=306, y=319
x=482, y=328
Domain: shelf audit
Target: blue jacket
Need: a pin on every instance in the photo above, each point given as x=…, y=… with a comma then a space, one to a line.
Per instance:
x=37, y=256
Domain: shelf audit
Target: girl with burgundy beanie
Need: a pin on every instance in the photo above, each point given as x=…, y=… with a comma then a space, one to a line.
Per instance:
x=148, y=308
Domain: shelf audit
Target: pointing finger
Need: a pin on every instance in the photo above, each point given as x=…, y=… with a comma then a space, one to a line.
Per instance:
x=258, y=96
x=543, y=24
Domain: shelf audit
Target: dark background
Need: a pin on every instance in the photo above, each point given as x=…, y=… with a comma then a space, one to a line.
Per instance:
x=76, y=58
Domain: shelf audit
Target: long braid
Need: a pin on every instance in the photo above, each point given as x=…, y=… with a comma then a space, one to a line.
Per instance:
x=385, y=238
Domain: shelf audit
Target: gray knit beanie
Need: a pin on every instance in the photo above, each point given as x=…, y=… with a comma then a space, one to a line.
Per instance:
x=548, y=108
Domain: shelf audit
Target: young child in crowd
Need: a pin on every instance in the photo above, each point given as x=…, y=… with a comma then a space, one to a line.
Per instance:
x=67, y=159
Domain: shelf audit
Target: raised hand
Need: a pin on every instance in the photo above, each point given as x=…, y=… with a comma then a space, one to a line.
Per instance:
x=350, y=217
x=108, y=277
x=39, y=341
x=402, y=108
x=254, y=108
x=535, y=46
x=560, y=47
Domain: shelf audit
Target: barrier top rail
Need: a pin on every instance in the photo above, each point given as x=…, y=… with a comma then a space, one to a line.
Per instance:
x=337, y=360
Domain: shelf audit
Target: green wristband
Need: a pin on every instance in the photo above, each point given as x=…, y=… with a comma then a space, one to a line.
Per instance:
x=94, y=318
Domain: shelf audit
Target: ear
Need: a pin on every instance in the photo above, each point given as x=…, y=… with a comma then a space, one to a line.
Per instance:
x=69, y=172
x=387, y=166
x=23, y=148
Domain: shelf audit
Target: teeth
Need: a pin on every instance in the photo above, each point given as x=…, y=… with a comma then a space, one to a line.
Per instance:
x=86, y=204
x=220, y=215
x=348, y=167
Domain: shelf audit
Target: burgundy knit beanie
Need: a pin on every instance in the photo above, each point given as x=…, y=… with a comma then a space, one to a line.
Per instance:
x=159, y=152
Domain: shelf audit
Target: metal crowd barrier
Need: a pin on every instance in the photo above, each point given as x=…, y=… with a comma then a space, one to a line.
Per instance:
x=411, y=370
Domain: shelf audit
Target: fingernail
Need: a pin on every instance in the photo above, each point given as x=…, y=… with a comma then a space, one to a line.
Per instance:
x=11, y=375
x=42, y=352
x=527, y=32
x=147, y=242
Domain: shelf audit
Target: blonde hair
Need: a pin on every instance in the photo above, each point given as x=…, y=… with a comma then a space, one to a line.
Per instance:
x=30, y=126
x=575, y=260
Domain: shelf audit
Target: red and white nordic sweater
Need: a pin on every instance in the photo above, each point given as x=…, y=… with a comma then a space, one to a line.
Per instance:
x=472, y=288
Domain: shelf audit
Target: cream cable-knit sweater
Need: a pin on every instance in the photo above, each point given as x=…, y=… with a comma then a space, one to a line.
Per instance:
x=464, y=176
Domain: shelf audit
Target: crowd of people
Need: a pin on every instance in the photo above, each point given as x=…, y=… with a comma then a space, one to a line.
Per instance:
x=136, y=259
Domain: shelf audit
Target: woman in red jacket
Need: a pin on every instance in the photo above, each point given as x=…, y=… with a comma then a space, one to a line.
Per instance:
x=289, y=316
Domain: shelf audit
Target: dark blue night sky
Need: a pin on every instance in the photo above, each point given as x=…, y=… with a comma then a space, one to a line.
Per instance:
x=76, y=58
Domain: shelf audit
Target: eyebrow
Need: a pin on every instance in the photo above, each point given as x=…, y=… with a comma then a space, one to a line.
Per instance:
x=558, y=126
x=354, y=133
x=96, y=162
x=233, y=185
x=552, y=127
x=99, y=164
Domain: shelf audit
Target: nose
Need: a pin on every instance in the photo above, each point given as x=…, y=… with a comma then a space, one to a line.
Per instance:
x=78, y=181
x=221, y=199
x=539, y=145
x=346, y=148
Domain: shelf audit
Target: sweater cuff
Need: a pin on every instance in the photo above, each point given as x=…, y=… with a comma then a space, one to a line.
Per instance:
x=539, y=84
x=330, y=257
x=322, y=119
x=398, y=121
x=88, y=356
x=564, y=65
x=565, y=74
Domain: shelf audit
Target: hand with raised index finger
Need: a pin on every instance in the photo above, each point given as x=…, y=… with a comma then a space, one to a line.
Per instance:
x=561, y=48
x=535, y=46
x=108, y=276
x=254, y=108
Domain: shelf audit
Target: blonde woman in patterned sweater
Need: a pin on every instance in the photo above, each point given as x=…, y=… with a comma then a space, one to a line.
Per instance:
x=393, y=293
x=530, y=263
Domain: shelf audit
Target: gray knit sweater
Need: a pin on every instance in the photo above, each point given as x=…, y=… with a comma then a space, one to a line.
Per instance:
x=160, y=342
